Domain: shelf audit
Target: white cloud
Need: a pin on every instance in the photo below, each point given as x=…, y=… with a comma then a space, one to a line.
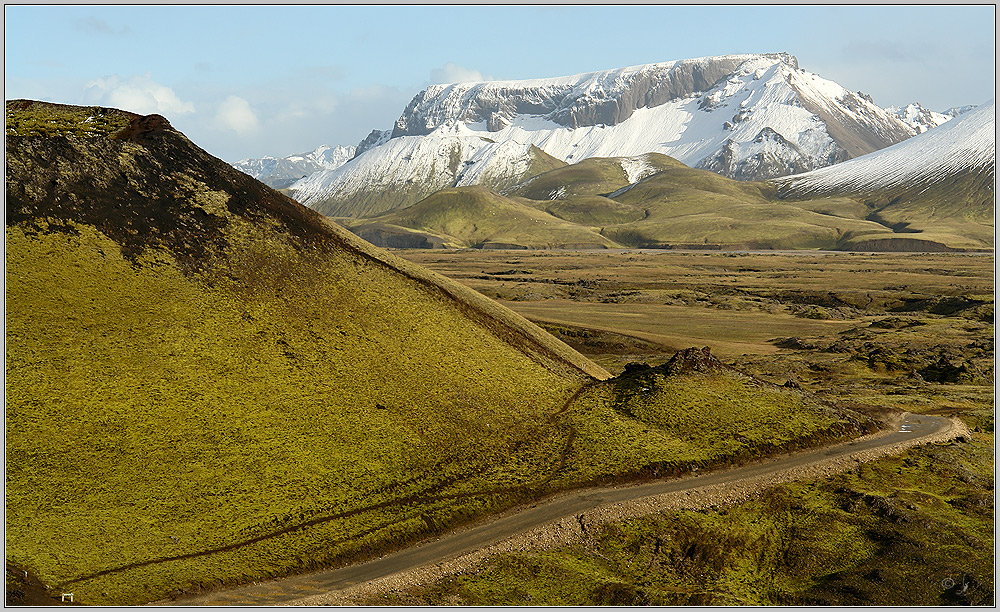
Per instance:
x=453, y=73
x=235, y=113
x=138, y=93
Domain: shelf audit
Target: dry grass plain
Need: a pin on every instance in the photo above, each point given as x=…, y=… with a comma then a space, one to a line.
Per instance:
x=740, y=304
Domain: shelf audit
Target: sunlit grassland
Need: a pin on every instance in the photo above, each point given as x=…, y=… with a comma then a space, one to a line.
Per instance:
x=736, y=302
x=656, y=424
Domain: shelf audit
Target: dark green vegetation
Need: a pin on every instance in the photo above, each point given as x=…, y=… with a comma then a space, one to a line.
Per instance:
x=209, y=384
x=875, y=332
x=591, y=204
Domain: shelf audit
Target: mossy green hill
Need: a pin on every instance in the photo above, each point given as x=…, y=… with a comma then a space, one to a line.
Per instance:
x=956, y=210
x=480, y=218
x=208, y=383
x=194, y=360
x=592, y=176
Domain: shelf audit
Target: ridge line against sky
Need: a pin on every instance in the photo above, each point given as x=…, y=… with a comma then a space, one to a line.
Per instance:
x=250, y=81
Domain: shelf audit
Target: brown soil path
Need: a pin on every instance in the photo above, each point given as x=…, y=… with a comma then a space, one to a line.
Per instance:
x=526, y=526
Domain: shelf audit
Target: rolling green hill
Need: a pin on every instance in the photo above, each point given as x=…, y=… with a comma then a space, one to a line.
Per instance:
x=592, y=176
x=697, y=208
x=954, y=211
x=679, y=207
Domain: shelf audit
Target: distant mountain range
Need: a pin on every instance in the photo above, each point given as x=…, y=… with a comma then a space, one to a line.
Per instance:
x=548, y=163
x=748, y=117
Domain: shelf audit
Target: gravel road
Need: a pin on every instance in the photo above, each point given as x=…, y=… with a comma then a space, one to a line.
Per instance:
x=564, y=517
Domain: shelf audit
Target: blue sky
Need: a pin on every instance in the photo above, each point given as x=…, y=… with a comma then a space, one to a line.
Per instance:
x=248, y=81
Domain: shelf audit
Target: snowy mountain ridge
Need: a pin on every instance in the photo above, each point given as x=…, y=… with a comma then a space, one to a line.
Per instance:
x=415, y=163
x=280, y=172
x=596, y=98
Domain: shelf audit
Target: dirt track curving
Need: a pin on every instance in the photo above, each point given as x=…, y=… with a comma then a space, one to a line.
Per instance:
x=566, y=516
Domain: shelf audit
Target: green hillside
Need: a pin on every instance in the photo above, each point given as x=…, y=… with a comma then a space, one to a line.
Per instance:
x=208, y=384
x=592, y=176
x=956, y=211
x=689, y=207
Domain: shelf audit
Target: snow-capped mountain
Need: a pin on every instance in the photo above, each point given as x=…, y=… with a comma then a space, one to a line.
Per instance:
x=404, y=170
x=955, y=111
x=967, y=143
x=918, y=117
x=744, y=116
x=280, y=172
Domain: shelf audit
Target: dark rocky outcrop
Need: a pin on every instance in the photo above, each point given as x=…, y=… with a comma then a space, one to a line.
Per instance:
x=168, y=192
x=692, y=360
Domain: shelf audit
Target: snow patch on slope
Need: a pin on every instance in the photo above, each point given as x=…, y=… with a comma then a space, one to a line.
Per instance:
x=637, y=168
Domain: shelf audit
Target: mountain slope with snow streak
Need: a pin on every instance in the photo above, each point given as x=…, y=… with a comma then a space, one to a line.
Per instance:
x=935, y=191
x=281, y=172
x=965, y=143
x=748, y=117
